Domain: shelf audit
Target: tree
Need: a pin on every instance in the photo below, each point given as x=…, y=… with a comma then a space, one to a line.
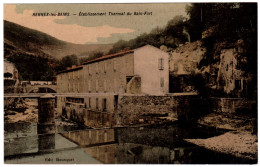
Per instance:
x=91, y=56
x=68, y=61
x=31, y=67
x=172, y=35
x=230, y=22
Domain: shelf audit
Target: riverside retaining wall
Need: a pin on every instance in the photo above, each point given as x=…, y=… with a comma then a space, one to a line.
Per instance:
x=232, y=105
x=147, y=109
x=124, y=110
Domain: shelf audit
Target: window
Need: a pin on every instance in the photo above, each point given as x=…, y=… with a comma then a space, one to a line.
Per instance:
x=105, y=85
x=96, y=68
x=68, y=87
x=104, y=104
x=162, y=82
x=78, y=87
x=89, y=86
x=97, y=103
x=244, y=84
x=96, y=85
x=115, y=85
x=128, y=79
x=105, y=67
x=238, y=84
x=176, y=68
x=88, y=70
x=160, y=64
x=89, y=102
x=115, y=64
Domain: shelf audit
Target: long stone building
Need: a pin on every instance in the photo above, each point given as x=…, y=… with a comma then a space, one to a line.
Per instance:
x=140, y=71
x=96, y=84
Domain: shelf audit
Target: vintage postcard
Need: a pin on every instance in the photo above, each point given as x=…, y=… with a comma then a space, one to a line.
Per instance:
x=136, y=83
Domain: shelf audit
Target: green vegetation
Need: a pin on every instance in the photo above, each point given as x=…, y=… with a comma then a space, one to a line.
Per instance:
x=67, y=61
x=32, y=67
x=171, y=36
x=91, y=56
x=34, y=52
x=230, y=22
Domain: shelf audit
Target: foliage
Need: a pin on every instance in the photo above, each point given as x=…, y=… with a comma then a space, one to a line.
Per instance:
x=93, y=55
x=230, y=22
x=32, y=67
x=67, y=61
x=171, y=36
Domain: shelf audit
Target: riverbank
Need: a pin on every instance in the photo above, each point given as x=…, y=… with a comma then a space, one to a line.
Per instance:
x=27, y=112
x=241, y=140
x=238, y=139
x=240, y=144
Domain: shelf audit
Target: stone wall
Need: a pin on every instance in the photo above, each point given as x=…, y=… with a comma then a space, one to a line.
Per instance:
x=232, y=113
x=134, y=109
x=127, y=109
x=232, y=105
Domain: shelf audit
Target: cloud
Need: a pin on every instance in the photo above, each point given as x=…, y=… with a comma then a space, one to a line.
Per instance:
x=67, y=32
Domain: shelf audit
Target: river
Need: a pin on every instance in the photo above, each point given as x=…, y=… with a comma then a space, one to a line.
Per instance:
x=163, y=144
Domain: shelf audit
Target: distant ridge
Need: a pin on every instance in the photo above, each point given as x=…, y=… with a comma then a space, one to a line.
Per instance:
x=18, y=38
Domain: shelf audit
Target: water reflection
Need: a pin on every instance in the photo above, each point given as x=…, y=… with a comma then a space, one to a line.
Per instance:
x=91, y=137
x=103, y=153
x=136, y=145
x=46, y=142
x=150, y=145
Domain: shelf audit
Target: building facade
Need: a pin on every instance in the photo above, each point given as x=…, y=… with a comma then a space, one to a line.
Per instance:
x=11, y=80
x=141, y=71
x=10, y=71
x=183, y=63
x=230, y=78
x=97, y=83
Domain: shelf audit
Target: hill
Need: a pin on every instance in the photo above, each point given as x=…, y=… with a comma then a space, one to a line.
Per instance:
x=18, y=38
x=37, y=55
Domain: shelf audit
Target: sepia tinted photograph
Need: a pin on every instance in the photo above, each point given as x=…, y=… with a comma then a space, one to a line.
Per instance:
x=130, y=83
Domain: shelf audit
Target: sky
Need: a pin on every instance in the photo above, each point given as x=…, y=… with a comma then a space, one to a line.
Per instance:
x=93, y=29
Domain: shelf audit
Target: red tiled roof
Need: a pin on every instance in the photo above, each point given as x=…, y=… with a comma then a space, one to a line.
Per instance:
x=71, y=69
x=108, y=56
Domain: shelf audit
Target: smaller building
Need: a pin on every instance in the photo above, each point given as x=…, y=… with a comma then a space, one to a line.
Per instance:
x=230, y=78
x=10, y=77
x=10, y=71
x=183, y=63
